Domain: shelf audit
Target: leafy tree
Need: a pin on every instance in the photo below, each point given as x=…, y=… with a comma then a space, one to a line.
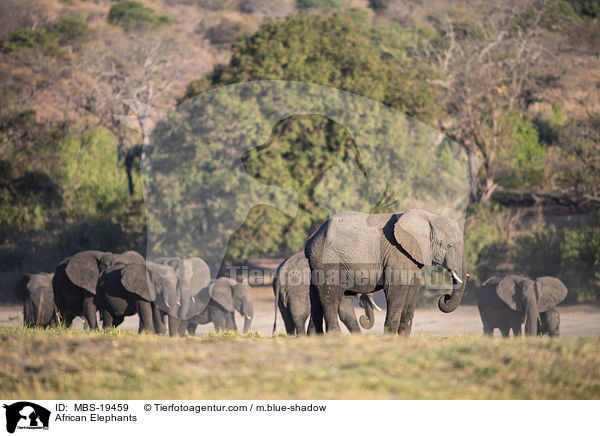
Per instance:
x=132, y=14
x=331, y=50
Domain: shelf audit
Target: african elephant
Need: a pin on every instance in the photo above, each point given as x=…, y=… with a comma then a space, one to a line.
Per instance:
x=291, y=286
x=75, y=279
x=189, y=298
x=508, y=302
x=35, y=291
x=364, y=253
x=227, y=296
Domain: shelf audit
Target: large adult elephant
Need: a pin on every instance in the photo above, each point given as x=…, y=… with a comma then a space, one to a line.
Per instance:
x=35, y=291
x=227, y=296
x=508, y=302
x=364, y=253
x=75, y=279
x=291, y=286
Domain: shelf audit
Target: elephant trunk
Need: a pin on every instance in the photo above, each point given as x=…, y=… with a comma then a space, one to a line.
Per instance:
x=449, y=302
x=368, y=319
x=247, y=323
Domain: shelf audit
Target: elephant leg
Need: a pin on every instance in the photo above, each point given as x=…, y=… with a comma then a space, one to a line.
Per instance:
x=183, y=328
x=505, y=331
x=230, y=322
x=516, y=329
x=144, y=310
x=89, y=312
x=288, y=321
x=107, y=319
x=174, y=325
x=316, y=311
x=396, y=298
x=347, y=314
x=191, y=328
x=158, y=320
x=488, y=331
x=330, y=297
x=118, y=320
x=408, y=311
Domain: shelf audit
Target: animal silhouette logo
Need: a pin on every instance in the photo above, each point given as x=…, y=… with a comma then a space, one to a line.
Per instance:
x=26, y=415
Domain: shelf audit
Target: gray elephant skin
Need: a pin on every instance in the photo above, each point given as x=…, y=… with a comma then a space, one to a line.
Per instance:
x=508, y=302
x=169, y=287
x=390, y=248
x=35, y=291
x=227, y=297
x=75, y=280
x=291, y=286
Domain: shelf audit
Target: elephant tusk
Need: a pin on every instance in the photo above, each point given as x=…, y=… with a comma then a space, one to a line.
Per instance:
x=379, y=309
x=456, y=276
x=247, y=317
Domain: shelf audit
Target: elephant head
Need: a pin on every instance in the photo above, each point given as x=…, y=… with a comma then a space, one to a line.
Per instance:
x=35, y=291
x=243, y=302
x=430, y=239
x=191, y=292
x=530, y=297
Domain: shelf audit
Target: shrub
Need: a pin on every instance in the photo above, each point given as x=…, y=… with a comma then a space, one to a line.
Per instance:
x=379, y=5
x=72, y=28
x=319, y=4
x=131, y=14
x=24, y=39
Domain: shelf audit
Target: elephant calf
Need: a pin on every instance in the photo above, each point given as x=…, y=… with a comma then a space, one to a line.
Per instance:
x=35, y=291
x=291, y=286
x=227, y=296
x=508, y=302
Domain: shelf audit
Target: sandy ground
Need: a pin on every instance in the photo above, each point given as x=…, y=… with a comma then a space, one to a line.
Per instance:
x=575, y=320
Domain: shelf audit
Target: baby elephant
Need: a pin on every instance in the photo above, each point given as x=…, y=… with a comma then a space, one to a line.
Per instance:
x=226, y=297
x=35, y=291
x=508, y=302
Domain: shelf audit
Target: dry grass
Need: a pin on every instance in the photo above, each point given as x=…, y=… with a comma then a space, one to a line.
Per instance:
x=59, y=363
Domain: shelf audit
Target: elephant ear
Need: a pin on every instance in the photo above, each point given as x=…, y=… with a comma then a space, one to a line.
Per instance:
x=413, y=233
x=21, y=289
x=134, y=278
x=507, y=291
x=222, y=295
x=550, y=292
x=83, y=270
x=199, y=282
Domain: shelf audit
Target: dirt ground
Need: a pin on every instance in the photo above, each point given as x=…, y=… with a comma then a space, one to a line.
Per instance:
x=581, y=320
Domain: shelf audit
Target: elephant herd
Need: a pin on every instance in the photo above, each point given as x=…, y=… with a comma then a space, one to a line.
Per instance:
x=350, y=256
x=168, y=292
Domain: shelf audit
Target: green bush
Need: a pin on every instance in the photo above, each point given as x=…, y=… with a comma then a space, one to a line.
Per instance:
x=379, y=5
x=522, y=158
x=131, y=14
x=92, y=180
x=72, y=28
x=319, y=4
x=586, y=8
x=24, y=39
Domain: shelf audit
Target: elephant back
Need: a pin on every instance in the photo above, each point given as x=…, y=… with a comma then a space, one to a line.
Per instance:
x=550, y=292
x=510, y=290
x=109, y=260
x=82, y=269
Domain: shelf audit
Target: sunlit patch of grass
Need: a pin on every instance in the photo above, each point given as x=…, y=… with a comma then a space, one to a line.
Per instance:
x=59, y=363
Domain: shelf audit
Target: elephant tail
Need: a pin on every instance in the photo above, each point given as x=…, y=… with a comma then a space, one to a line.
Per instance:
x=276, y=290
